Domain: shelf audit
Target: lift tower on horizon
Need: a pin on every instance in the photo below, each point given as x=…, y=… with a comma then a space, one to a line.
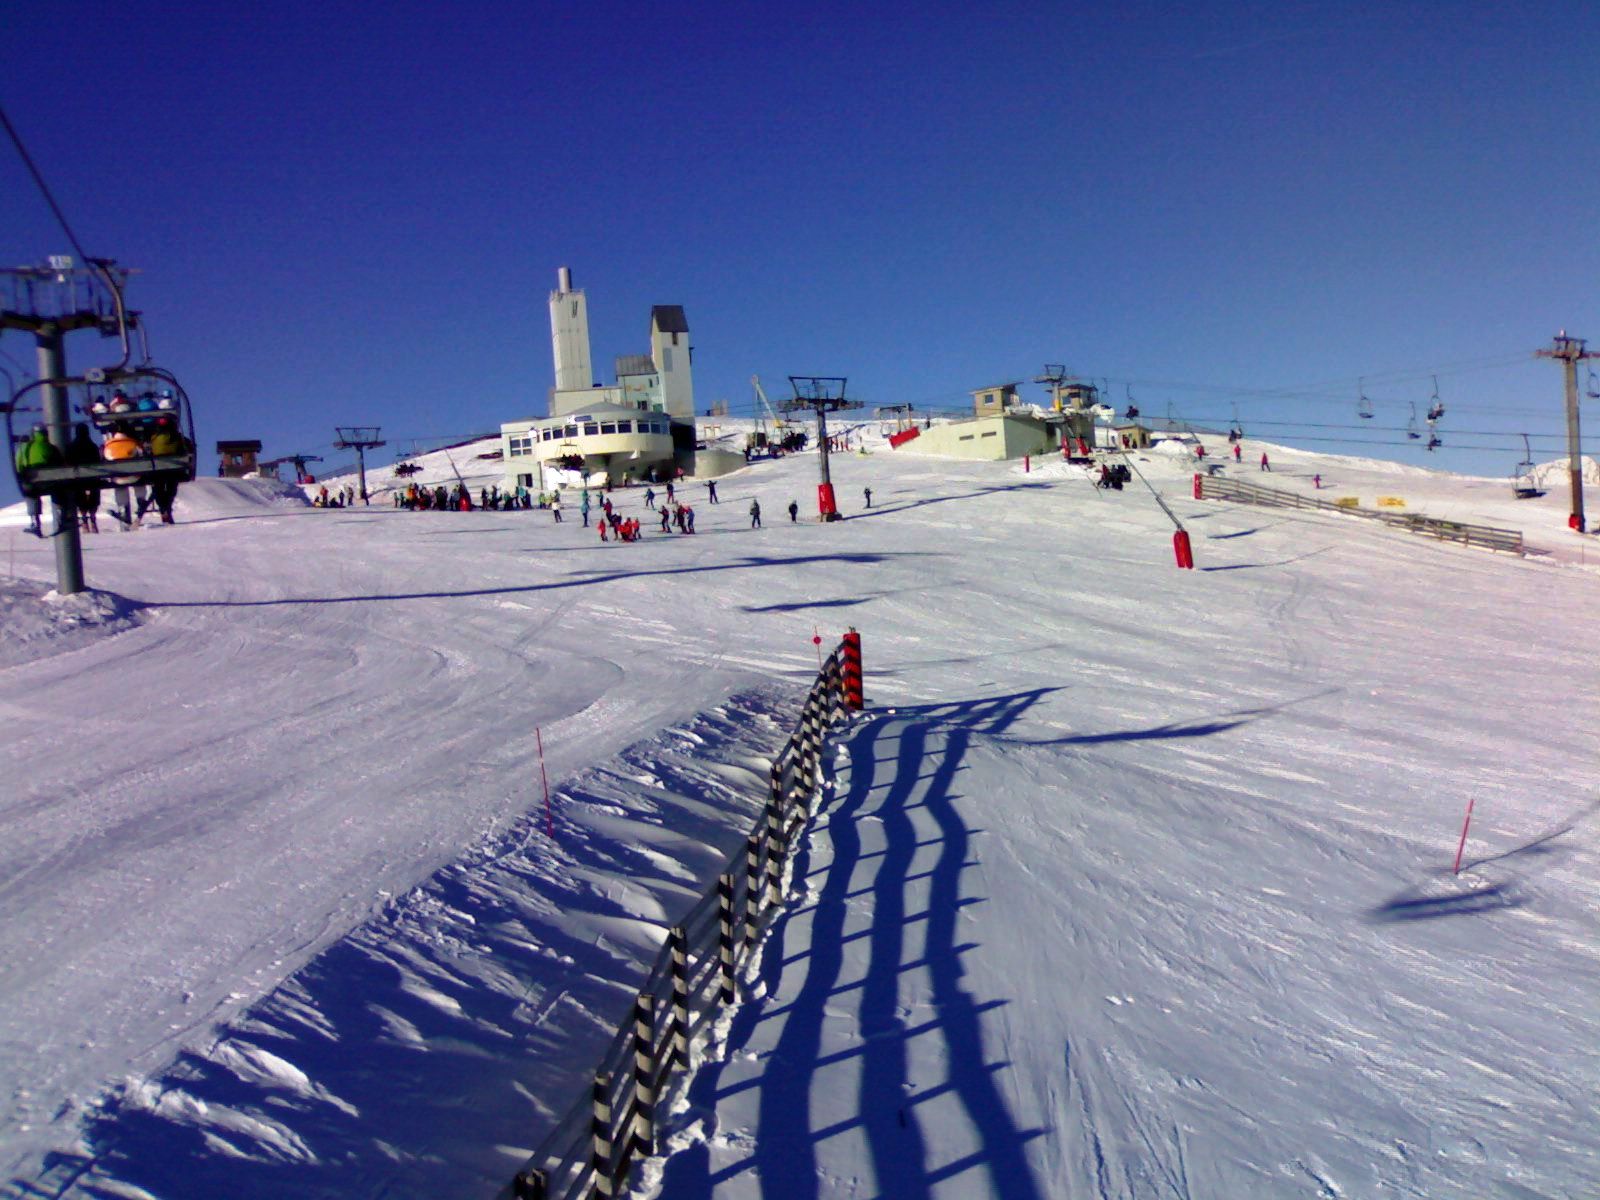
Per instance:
x=820, y=394
x=1571, y=351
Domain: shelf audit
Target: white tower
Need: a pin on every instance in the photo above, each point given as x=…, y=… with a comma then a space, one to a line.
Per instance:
x=669, y=347
x=569, y=333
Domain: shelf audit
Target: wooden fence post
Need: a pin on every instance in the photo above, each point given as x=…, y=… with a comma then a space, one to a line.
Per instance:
x=678, y=947
x=644, y=1075
x=810, y=748
x=752, y=890
x=605, y=1183
x=531, y=1184
x=777, y=846
x=835, y=677
x=725, y=935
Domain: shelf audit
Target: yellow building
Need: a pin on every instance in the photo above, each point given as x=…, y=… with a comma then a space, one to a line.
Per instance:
x=990, y=438
x=994, y=401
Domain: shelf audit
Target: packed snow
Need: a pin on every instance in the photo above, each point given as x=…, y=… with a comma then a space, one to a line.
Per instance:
x=1131, y=881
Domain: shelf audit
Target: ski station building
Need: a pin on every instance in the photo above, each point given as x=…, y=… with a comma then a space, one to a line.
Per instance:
x=640, y=427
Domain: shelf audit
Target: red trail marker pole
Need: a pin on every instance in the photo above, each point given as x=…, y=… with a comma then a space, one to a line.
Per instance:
x=1463, y=843
x=549, y=820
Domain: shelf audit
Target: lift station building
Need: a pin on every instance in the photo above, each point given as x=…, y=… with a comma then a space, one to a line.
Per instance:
x=640, y=427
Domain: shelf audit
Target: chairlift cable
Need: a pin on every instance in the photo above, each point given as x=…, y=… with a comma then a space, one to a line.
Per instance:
x=98, y=265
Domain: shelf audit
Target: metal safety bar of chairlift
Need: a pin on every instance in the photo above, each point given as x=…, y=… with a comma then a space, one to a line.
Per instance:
x=127, y=407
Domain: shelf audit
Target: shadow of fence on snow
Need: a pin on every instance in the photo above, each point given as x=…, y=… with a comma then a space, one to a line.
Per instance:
x=897, y=765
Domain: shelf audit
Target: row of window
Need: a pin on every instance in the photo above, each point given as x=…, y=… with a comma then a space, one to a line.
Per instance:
x=522, y=443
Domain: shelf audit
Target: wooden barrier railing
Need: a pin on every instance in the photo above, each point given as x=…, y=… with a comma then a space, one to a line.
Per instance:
x=1488, y=537
x=590, y=1150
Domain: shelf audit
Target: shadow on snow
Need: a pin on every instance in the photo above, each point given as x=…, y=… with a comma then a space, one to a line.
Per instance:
x=906, y=1161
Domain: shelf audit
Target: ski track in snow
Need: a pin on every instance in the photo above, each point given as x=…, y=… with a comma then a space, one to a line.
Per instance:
x=1141, y=891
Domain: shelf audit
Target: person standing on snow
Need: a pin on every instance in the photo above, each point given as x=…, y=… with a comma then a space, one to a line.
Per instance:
x=555, y=507
x=583, y=507
x=711, y=491
x=1237, y=452
x=867, y=492
x=1265, y=465
x=755, y=514
x=794, y=511
x=650, y=499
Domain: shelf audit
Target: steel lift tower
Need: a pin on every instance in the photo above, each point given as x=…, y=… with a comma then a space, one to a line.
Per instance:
x=821, y=394
x=359, y=438
x=51, y=302
x=1571, y=351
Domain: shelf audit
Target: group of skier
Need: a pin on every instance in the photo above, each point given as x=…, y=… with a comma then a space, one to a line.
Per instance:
x=157, y=436
x=422, y=498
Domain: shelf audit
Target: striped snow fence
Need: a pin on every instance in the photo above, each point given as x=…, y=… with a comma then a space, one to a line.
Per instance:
x=1487, y=537
x=590, y=1150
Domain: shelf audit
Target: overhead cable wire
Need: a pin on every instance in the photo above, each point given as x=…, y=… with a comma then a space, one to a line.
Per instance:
x=98, y=265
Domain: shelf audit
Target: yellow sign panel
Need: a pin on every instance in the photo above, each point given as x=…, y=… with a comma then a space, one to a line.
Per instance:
x=1348, y=502
x=1391, y=502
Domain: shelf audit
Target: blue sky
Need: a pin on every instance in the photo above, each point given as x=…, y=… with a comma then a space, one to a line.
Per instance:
x=353, y=214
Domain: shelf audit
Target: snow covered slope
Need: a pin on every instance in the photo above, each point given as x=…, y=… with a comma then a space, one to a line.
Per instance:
x=1141, y=890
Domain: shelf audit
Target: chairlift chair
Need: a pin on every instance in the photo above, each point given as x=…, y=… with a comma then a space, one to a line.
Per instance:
x=1593, y=387
x=125, y=406
x=1523, y=484
x=1363, y=404
x=1411, y=426
x=1435, y=405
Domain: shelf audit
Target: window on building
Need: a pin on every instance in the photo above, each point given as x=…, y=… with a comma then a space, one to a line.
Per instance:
x=608, y=427
x=589, y=430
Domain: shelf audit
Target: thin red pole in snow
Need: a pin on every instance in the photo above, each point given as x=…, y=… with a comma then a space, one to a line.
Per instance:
x=549, y=820
x=1463, y=844
x=816, y=640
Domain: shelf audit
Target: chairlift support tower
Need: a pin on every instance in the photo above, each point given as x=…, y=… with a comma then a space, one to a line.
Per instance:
x=50, y=302
x=359, y=438
x=1570, y=351
x=820, y=394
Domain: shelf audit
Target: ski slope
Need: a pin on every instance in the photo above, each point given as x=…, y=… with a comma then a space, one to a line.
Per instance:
x=1135, y=882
